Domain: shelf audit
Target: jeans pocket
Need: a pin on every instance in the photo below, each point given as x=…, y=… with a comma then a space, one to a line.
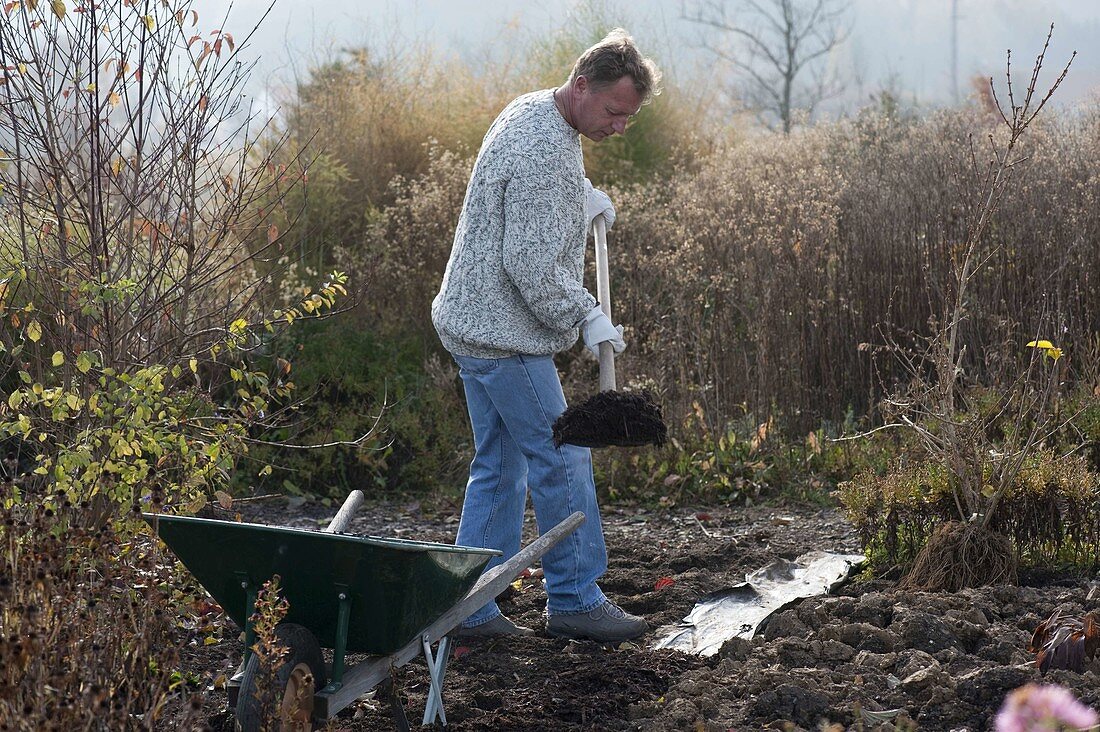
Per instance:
x=474, y=365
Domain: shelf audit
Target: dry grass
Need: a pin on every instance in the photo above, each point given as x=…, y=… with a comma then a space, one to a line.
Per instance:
x=764, y=282
x=84, y=630
x=763, y=278
x=772, y=276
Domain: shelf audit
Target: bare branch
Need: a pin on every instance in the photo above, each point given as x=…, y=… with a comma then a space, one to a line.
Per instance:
x=791, y=37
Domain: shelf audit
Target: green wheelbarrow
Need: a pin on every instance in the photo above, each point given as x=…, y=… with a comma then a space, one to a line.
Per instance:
x=390, y=598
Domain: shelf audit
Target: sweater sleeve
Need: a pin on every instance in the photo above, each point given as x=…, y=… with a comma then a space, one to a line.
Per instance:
x=538, y=224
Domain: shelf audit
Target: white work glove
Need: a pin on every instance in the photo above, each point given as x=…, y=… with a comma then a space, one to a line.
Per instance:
x=597, y=328
x=597, y=203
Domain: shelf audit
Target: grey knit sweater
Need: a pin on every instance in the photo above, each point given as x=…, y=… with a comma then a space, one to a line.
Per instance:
x=513, y=284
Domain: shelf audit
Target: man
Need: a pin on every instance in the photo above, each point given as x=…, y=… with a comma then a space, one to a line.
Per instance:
x=512, y=297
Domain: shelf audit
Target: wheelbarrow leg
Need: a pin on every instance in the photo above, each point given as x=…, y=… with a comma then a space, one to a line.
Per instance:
x=437, y=668
x=233, y=687
x=340, y=649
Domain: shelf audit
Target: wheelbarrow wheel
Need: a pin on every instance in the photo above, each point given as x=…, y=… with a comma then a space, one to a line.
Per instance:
x=282, y=700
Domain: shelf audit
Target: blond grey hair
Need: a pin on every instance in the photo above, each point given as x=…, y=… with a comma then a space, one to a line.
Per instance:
x=613, y=58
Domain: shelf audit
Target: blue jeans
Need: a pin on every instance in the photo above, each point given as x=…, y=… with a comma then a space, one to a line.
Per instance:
x=512, y=403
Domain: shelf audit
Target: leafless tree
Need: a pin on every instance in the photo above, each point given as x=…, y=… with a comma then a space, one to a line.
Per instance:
x=134, y=185
x=778, y=49
x=137, y=185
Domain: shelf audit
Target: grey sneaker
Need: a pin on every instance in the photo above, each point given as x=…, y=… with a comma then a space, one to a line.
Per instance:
x=495, y=628
x=607, y=623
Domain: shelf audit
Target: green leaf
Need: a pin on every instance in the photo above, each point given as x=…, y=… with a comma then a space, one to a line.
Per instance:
x=15, y=399
x=58, y=358
x=83, y=362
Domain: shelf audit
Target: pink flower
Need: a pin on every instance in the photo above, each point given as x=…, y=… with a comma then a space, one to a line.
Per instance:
x=1039, y=708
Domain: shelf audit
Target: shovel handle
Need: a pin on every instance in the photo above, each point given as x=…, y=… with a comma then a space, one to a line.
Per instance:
x=603, y=292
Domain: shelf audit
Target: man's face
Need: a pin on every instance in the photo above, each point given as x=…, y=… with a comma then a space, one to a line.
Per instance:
x=604, y=112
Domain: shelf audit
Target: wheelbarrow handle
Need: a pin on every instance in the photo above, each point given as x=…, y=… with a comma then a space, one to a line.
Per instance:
x=343, y=516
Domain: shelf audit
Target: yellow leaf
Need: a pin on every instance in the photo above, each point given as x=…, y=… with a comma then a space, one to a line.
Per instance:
x=190, y=509
x=58, y=358
x=517, y=585
x=1054, y=353
x=83, y=362
x=22, y=68
x=114, y=100
x=209, y=640
x=15, y=399
x=73, y=401
x=221, y=681
x=34, y=331
x=194, y=364
x=149, y=22
x=266, y=470
x=91, y=87
x=1040, y=344
x=58, y=7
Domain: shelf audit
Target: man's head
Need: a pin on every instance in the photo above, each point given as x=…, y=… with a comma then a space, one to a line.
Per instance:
x=608, y=85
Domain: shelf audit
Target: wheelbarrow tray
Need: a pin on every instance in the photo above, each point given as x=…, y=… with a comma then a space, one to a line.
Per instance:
x=397, y=587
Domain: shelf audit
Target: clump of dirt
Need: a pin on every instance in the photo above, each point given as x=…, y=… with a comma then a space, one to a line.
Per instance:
x=944, y=660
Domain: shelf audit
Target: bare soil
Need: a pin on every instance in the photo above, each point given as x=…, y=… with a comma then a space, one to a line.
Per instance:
x=929, y=661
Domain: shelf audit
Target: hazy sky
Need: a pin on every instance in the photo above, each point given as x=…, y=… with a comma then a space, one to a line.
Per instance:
x=904, y=44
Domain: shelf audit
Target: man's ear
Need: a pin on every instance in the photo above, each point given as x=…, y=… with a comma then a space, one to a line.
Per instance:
x=580, y=84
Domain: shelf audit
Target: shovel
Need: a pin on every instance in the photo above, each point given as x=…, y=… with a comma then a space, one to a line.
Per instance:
x=610, y=418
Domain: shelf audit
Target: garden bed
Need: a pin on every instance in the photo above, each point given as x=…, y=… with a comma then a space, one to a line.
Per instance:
x=945, y=660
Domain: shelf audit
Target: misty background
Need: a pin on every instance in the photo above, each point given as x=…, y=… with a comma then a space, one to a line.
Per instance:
x=900, y=46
